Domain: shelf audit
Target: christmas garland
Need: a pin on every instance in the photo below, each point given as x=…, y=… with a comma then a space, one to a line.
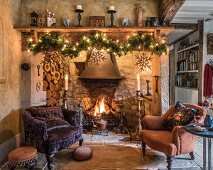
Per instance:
x=137, y=42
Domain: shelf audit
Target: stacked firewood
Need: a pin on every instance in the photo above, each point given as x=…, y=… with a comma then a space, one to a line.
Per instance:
x=53, y=77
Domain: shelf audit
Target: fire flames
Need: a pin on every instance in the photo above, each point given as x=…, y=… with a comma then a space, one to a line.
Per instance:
x=100, y=107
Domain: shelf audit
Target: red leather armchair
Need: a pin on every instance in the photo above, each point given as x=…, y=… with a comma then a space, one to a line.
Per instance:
x=172, y=143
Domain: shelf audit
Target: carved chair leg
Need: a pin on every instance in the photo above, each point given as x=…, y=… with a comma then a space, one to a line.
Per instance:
x=143, y=148
x=81, y=142
x=49, y=161
x=192, y=155
x=169, y=162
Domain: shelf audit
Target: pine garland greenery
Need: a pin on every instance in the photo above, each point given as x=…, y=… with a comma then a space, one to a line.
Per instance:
x=137, y=42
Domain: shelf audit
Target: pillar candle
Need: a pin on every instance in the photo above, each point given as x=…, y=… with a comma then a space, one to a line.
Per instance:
x=66, y=82
x=79, y=7
x=138, y=82
x=112, y=8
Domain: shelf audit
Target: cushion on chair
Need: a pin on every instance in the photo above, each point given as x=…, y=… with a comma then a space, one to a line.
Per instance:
x=59, y=139
x=159, y=140
x=56, y=124
x=44, y=112
x=23, y=153
x=181, y=116
x=82, y=153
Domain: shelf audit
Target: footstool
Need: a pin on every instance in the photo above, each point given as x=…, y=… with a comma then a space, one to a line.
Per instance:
x=24, y=156
x=82, y=153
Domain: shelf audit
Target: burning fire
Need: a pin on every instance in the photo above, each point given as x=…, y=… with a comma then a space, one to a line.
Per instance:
x=100, y=107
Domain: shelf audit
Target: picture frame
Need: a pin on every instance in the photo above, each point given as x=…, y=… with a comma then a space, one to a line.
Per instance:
x=97, y=21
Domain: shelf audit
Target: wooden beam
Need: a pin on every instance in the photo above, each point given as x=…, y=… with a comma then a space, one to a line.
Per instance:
x=200, y=63
x=185, y=26
x=168, y=9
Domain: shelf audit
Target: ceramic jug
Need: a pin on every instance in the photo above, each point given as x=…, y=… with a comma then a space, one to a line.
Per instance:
x=208, y=122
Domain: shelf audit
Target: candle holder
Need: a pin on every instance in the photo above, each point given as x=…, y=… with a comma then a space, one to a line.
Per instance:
x=156, y=83
x=148, y=93
x=79, y=11
x=139, y=99
x=81, y=105
x=65, y=98
x=112, y=12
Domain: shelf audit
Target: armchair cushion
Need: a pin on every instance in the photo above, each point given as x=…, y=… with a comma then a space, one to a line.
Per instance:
x=180, y=116
x=56, y=124
x=159, y=140
x=46, y=112
x=59, y=139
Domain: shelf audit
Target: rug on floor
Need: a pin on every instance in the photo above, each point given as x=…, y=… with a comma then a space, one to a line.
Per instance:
x=105, y=157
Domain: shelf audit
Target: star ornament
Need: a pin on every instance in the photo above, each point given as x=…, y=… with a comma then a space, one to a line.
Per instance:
x=143, y=61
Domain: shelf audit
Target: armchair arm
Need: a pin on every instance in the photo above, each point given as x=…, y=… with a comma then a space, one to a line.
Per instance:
x=183, y=140
x=152, y=122
x=35, y=130
x=70, y=116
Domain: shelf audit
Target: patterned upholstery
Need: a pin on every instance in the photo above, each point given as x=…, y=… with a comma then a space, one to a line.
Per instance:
x=48, y=130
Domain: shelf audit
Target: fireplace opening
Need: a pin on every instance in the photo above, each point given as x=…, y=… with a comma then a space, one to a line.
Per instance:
x=103, y=110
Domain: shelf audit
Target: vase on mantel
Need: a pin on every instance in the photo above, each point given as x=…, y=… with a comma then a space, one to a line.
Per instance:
x=153, y=22
x=139, y=14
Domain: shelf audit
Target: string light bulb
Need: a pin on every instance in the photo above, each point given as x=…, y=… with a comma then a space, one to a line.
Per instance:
x=163, y=41
x=30, y=40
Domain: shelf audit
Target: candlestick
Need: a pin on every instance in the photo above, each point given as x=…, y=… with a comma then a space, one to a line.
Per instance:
x=66, y=82
x=112, y=12
x=148, y=93
x=139, y=99
x=79, y=11
x=138, y=82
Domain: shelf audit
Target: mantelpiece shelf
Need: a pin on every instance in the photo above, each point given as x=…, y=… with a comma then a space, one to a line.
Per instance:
x=164, y=30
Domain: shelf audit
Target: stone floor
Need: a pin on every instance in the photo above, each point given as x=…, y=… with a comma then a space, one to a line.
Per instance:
x=153, y=160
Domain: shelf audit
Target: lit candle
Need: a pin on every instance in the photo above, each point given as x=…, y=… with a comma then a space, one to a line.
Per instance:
x=111, y=8
x=138, y=82
x=66, y=82
x=79, y=7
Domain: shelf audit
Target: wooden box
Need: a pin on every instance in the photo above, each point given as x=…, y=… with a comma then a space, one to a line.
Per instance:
x=97, y=21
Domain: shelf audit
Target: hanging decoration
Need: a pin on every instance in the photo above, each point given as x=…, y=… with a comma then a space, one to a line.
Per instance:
x=143, y=61
x=96, y=57
x=137, y=42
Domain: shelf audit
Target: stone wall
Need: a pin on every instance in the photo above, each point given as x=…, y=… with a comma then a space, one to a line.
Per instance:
x=10, y=75
x=65, y=8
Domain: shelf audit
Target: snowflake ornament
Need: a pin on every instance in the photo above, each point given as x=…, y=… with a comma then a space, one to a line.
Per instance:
x=96, y=57
x=143, y=61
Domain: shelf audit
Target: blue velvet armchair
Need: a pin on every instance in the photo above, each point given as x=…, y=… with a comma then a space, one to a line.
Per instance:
x=51, y=129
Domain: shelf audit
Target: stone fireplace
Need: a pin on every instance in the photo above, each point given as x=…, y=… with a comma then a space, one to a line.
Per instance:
x=90, y=91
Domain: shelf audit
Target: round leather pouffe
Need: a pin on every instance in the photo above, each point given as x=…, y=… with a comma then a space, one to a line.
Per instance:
x=82, y=153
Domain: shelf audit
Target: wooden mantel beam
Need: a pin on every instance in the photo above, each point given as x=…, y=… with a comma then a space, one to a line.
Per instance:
x=168, y=9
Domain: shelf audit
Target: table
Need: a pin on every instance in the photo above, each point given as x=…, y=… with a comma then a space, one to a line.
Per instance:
x=206, y=135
